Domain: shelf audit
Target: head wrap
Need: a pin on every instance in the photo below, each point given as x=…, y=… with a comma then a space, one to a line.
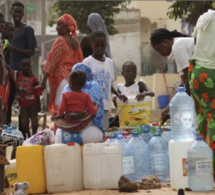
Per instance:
x=84, y=68
x=95, y=22
x=69, y=21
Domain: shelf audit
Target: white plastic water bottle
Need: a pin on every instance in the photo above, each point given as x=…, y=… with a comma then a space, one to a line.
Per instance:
x=182, y=116
x=200, y=166
x=127, y=157
x=158, y=157
x=140, y=157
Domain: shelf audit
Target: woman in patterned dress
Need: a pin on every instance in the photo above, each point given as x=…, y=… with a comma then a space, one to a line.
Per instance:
x=65, y=53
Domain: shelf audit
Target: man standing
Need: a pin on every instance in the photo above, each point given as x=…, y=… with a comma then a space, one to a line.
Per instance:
x=22, y=46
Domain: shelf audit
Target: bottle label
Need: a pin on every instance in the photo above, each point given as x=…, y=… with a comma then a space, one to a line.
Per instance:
x=185, y=119
x=128, y=165
x=158, y=162
x=204, y=169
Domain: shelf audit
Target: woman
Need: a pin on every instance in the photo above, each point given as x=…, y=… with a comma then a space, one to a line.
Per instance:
x=95, y=22
x=181, y=46
x=65, y=53
x=94, y=132
x=201, y=77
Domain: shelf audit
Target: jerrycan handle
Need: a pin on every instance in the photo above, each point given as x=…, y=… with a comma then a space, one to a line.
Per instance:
x=176, y=84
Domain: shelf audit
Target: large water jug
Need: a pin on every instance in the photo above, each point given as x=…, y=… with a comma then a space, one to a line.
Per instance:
x=140, y=157
x=127, y=157
x=200, y=166
x=64, y=169
x=182, y=116
x=178, y=163
x=102, y=164
x=146, y=134
x=167, y=135
x=158, y=157
x=16, y=132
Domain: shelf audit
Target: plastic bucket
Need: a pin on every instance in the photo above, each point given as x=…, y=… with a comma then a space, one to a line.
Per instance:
x=133, y=113
x=163, y=101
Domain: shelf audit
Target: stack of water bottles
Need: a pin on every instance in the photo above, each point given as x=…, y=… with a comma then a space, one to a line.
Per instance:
x=190, y=160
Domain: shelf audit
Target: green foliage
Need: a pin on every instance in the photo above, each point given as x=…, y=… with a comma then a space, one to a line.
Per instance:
x=81, y=9
x=190, y=9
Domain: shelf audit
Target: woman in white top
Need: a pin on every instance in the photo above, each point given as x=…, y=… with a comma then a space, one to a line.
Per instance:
x=181, y=46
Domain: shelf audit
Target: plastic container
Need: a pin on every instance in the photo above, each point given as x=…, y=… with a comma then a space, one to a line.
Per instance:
x=200, y=166
x=16, y=132
x=158, y=157
x=102, y=165
x=146, y=134
x=163, y=101
x=31, y=168
x=11, y=173
x=112, y=138
x=182, y=116
x=140, y=157
x=133, y=113
x=64, y=171
x=127, y=157
x=167, y=135
x=178, y=163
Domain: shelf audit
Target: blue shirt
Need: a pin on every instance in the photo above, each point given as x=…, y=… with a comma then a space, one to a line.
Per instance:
x=24, y=38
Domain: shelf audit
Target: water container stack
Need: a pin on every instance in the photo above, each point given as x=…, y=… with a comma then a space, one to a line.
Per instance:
x=200, y=166
x=140, y=157
x=183, y=131
x=127, y=157
x=158, y=157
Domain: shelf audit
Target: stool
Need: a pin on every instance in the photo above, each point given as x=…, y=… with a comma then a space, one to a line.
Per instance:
x=44, y=116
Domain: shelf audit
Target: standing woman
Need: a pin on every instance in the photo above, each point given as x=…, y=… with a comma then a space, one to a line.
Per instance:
x=94, y=23
x=182, y=48
x=65, y=53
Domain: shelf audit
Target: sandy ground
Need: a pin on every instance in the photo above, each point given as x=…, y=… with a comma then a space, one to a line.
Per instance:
x=165, y=190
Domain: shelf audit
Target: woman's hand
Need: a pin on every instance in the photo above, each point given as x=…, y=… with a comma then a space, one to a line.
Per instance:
x=165, y=115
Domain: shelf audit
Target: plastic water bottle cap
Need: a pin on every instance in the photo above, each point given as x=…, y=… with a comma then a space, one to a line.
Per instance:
x=135, y=134
x=112, y=136
x=157, y=133
x=14, y=127
x=5, y=126
x=160, y=130
x=71, y=144
x=119, y=136
x=181, y=89
x=199, y=137
x=168, y=129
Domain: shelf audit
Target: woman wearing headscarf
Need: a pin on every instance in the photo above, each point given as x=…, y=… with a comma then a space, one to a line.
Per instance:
x=95, y=22
x=65, y=53
x=94, y=132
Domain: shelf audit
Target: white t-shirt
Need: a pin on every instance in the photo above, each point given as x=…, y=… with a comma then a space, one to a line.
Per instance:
x=205, y=46
x=132, y=90
x=182, y=50
x=103, y=73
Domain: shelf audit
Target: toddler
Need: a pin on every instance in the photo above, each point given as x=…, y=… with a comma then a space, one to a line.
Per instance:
x=28, y=95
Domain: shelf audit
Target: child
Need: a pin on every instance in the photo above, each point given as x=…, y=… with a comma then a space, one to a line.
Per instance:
x=76, y=100
x=28, y=93
x=130, y=87
x=103, y=70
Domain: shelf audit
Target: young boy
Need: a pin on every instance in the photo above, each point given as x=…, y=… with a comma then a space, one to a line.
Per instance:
x=130, y=87
x=103, y=71
x=29, y=91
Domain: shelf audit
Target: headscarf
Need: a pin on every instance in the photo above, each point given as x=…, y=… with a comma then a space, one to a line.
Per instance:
x=93, y=89
x=95, y=22
x=68, y=20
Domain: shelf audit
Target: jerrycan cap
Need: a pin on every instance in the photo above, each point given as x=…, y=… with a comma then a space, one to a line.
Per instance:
x=199, y=137
x=70, y=144
x=181, y=89
x=119, y=136
x=157, y=134
x=135, y=134
x=112, y=136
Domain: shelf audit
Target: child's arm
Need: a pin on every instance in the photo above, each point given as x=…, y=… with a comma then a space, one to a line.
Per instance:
x=118, y=94
x=144, y=91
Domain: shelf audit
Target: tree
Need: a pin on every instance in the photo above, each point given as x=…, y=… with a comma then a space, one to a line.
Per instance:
x=191, y=10
x=81, y=9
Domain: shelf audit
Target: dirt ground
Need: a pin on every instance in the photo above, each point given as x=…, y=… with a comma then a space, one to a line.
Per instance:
x=165, y=190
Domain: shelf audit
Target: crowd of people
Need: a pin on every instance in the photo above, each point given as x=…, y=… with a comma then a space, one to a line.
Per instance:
x=85, y=71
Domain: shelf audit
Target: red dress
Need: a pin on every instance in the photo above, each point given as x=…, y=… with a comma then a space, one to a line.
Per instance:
x=59, y=64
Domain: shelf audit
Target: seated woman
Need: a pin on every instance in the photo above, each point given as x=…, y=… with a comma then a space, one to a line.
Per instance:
x=94, y=132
